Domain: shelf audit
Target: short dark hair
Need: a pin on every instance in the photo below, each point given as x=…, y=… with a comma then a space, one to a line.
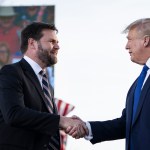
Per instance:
x=34, y=30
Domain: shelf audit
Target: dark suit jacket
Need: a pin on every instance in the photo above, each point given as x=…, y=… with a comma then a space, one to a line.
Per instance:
x=25, y=123
x=138, y=132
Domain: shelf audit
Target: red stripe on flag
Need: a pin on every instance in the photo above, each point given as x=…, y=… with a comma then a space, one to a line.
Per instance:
x=66, y=109
x=58, y=105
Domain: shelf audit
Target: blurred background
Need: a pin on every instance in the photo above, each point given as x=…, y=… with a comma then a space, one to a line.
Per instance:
x=94, y=71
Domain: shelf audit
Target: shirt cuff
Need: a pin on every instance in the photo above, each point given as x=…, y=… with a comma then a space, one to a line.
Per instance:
x=90, y=136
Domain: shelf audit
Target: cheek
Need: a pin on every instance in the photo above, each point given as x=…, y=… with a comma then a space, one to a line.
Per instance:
x=135, y=46
x=138, y=47
x=137, y=52
x=49, y=47
x=48, y=52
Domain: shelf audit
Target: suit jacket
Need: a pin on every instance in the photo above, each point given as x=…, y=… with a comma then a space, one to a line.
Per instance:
x=25, y=123
x=137, y=132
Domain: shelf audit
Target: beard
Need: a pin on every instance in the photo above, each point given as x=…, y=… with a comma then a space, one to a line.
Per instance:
x=45, y=56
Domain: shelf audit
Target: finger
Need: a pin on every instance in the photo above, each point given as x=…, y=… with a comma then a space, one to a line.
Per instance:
x=81, y=131
x=85, y=129
x=73, y=131
x=75, y=135
x=74, y=117
x=68, y=129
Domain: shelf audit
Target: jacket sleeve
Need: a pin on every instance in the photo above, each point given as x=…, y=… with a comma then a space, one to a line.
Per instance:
x=13, y=109
x=108, y=130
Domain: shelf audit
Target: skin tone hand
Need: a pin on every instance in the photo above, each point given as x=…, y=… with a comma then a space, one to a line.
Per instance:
x=73, y=126
x=78, y=132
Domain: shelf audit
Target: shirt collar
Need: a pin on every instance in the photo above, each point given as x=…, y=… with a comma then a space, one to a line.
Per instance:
x=36, y=68
x=148, y=63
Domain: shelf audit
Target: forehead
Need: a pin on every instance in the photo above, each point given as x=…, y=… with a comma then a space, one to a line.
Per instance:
x=132, y=33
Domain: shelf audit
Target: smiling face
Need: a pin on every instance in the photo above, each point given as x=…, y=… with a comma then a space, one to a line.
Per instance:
x=7, y=22
x=47, y=48
x=136, y=48
x=4, y=55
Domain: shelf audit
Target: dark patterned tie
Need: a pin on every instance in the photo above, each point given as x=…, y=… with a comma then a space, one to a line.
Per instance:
x=54, y=142
x=47, y=93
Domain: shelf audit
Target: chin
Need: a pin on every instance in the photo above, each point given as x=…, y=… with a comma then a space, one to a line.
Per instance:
x=133, y=60
x=52, y=63
x=55, y=60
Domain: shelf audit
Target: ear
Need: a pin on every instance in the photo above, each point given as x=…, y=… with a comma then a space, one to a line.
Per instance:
x=32, y=44
x=146, y=40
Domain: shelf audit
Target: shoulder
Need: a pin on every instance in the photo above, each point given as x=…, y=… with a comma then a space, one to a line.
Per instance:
x=10, y=73
x=10, y=68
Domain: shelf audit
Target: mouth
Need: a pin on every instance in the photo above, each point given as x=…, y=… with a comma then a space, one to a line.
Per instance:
x=54, y=52
x=130, y=53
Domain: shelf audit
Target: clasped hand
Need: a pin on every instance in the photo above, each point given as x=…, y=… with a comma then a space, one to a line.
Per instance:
x=74, y=126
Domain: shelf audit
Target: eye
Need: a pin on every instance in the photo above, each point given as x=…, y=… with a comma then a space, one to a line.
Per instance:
x=129, y=39
x=53, y=41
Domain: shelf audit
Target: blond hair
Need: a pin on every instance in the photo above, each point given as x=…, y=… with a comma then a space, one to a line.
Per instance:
x=141, y=25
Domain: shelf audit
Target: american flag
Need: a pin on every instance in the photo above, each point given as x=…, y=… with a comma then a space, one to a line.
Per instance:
x=63, y=109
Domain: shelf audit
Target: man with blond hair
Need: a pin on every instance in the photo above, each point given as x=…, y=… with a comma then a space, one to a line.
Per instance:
x=134, y=124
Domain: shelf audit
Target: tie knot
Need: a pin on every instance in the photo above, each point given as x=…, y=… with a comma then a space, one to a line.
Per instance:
x=42, y=73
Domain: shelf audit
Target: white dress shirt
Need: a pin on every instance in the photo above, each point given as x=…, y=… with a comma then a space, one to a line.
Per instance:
x=36, y=68
x=90, y=136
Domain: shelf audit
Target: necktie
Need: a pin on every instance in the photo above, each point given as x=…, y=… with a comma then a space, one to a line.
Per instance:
x=46, y=90
x=137, y=92
x=54, y=141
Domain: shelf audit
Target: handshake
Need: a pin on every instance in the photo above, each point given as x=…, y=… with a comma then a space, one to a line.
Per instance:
x=73, y=126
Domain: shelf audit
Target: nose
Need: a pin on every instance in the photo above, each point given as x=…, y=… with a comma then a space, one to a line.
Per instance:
x=57, y=46
x=127, y=46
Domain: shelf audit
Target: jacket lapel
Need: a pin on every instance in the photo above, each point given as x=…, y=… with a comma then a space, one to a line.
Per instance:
x=129, y=107
x=35, y=82
x=32, y=76
x=142, y=98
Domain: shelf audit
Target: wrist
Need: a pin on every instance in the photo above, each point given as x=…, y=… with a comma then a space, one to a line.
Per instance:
x=62, y=122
